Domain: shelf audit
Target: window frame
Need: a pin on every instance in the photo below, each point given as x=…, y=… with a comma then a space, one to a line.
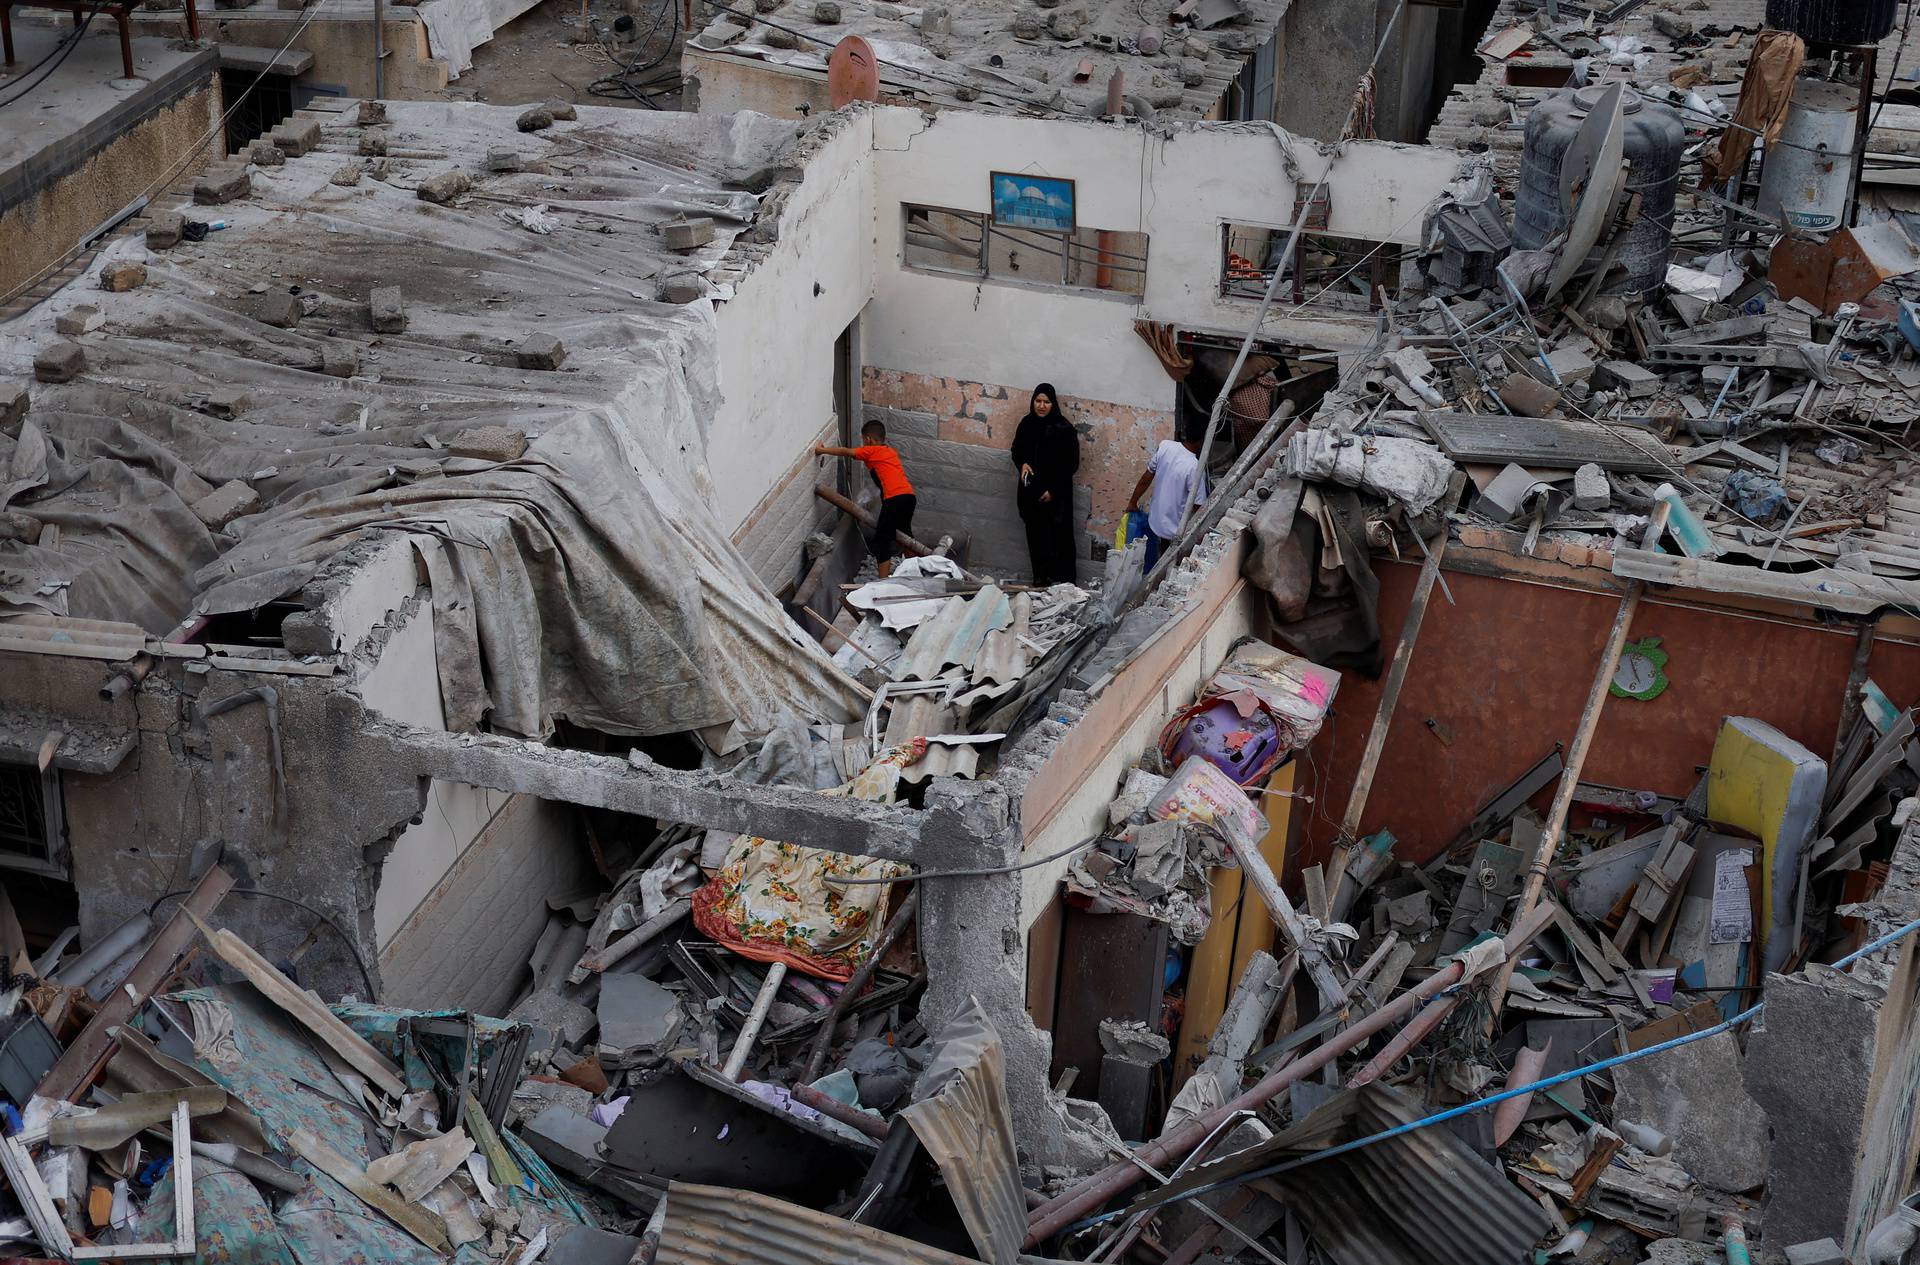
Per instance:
x=1067, y=248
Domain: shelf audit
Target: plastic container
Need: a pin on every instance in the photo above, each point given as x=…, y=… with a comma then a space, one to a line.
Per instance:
x=1652, y=144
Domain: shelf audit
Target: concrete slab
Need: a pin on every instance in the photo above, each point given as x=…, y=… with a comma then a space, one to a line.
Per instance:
x=76, y=109
x=1697, y=1095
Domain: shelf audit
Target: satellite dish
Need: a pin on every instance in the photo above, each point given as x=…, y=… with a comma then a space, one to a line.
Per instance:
x=1590, y=178
x=853, y=72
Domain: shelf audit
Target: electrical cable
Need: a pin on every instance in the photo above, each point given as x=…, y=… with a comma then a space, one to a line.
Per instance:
x=621, y=79
x=192, y=152
x=353, y=950
x=1453, y=1113
x=58, y=56
x=989, y=872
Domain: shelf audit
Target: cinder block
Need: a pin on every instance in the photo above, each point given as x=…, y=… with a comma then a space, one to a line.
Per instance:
x=61, y=362
x=389, y=313
x=225, y=503
x=264, y=153
x=122, y=275
x=279, y=309
x=540, y=351
x=80, y=320
x=374, y=143
x=164, y=230
x=489, y=443
x=14, y=403
x=1625, y=376
x=296, y=136
x=216, y=186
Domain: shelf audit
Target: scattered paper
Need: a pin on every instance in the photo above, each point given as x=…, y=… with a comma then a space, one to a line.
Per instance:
x=1732, y=921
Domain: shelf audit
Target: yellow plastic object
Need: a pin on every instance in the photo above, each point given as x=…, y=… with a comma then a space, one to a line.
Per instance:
x=1764, y=783
x=1240, y=926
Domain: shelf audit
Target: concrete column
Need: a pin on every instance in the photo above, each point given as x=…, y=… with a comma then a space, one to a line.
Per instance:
x=971, y=940
x=1835, y=1063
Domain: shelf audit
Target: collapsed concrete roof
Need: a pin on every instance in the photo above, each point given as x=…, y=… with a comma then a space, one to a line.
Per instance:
x=527, y=408
x=1701, y=47
x=1005, y=55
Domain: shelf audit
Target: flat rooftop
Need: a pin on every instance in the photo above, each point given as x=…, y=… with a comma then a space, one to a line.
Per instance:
x=84, y=102
x=997, y=54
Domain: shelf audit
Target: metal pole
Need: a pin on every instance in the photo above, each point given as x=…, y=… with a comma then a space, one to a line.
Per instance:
x=379, y=49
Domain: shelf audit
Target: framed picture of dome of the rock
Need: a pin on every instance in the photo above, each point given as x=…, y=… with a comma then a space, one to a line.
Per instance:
x=1044, y=203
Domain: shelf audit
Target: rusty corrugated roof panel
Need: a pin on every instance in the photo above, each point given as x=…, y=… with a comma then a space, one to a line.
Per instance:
x=954, y=636
x=1419, y=1198
x=712, y=1225
x=963, y=1120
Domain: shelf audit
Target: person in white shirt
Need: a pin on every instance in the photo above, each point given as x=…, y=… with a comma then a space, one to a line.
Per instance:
x=1175, y=476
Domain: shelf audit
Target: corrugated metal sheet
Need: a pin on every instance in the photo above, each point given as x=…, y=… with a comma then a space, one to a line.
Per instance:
x=1003, y=655
x=954, y=636
x=1421, y=1198
x=944, y=759
x=713, y=1225
x=963, y=1120
x=917, y=716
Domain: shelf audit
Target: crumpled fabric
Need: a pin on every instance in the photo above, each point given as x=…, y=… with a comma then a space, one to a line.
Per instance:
x=1764, y=97
x=773, y=901
x=1413, y=473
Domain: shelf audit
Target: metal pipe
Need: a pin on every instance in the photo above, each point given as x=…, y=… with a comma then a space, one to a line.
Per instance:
x=757, y=1017
x=834, y=1109
x=1413, y=1034
x=626, y=945
x=823, y=1039
x=98, y=957
x=1122, y=1176
x=379, y=48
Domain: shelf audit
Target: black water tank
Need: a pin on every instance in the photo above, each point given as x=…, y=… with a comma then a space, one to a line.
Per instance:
x=1652, y=143
x=1834, y=21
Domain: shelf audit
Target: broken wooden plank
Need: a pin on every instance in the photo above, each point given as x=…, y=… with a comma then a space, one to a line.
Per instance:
x=77, y=1067
x=1254, y=867
x=419, y=1222
x=34, y=1199
x=323, y=1023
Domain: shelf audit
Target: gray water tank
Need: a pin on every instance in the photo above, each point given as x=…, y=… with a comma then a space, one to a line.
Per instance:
x=1652, y=143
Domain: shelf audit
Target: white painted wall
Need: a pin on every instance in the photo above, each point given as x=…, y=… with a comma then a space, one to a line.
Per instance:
x=404, y=685
x=1179, y=187
x=777, y=334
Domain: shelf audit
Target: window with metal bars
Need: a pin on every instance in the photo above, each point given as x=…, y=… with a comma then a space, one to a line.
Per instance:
x=970, y=244
x=32, y=831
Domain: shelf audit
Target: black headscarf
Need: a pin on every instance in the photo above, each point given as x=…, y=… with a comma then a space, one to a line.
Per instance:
x=1052, y=447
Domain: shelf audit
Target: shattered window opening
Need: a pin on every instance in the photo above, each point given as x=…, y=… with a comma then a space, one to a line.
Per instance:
x=968, y=243
x=1335, y=271
x=31, y=828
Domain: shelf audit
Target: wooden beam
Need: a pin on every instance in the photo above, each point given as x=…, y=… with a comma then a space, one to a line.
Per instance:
x=300, y=1004
x=75, y=1069
x=1383, y=717
x=1570, y=777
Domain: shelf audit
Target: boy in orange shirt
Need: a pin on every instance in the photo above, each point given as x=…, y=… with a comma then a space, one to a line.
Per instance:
x=896, y=493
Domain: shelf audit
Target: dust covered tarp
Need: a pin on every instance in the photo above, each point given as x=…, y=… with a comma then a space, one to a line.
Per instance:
x=589, y=578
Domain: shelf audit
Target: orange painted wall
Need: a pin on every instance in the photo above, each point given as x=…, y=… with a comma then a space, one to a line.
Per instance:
x=1507, y=668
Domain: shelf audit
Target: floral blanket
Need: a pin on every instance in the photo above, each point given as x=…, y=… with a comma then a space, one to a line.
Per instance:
x=773, y=902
